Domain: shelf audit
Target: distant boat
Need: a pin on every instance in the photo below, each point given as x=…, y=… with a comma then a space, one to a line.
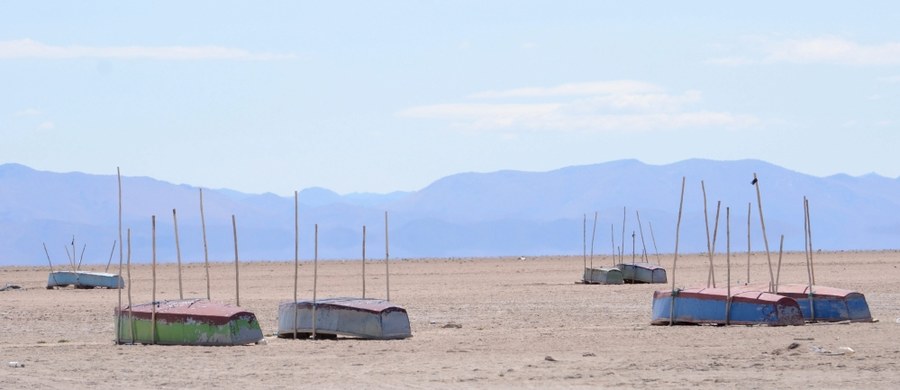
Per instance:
x=351, y=317
x=830, y=304
x=84, y=279
x=642, y=273
x=602, y=276
x=708, y=306
x=188, y=322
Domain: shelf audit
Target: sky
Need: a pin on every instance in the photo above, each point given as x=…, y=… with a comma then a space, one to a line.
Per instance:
x=364, y=96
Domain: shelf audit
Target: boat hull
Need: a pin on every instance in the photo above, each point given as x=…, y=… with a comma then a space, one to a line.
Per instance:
x=84, y=279
x=188, y=322
x=350, y=317
x=603, y=276
x=708, y=306
x=829, y=304
x=642, y=273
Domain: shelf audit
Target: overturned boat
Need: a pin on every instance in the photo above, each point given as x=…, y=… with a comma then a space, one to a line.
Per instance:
x=602, y=276
x=187, y=322
x=84, y=279
x=642, y=273
x=349, y=317
x=829, y=304
x=714, y=306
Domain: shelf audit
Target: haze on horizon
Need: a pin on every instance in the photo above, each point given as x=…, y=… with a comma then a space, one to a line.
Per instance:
x=364, y=97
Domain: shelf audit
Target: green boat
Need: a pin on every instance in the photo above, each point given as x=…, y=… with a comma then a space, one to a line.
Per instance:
x=187, y=322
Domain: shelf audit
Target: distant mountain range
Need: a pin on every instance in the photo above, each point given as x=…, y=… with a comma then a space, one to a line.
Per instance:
x=469, y=214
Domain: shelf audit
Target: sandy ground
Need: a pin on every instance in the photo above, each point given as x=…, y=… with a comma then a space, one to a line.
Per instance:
x=524, y=323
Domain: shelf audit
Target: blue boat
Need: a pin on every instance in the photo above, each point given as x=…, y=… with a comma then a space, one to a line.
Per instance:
x=642, y=273
x=84, y=279
x=713, y=306
x=830, y=304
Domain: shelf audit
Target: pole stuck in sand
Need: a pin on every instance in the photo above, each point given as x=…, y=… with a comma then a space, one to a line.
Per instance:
x=708, y=241
x=205, y=248
x=387, y=270
x=153, y=302
x=749, y=208
x=364, y=263
x=178, y=254
x=728, y=265
x=675, y=261
x=296, y=257
x=622, y=248
x=778, y=272
x=762, y=223
x=652, y=237
x=237, y=270
x=315, y=277
x=130, y=312
x=593, y=235
x=644, y=256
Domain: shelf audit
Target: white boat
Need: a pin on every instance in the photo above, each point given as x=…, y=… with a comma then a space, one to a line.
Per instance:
x=349, y=317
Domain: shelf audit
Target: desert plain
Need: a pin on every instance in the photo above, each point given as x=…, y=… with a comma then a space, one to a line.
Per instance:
x=476, y=323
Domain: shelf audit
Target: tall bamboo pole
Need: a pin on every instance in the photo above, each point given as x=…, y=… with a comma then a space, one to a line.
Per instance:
x=119, y=176
x=593, y=235
x=119, y=315
x=80, y=258
x=655, y=249
x=237, y=270
x=712, y=269
x=387, y=270
x=675, y=261
x=622, y=248
x=641, y=229
x=364, y=262
x=49, y=262
x=778, y=272
x=584, y=240
x=205, y=247
x=749, y=208
x=612, y=240
x=812, y=264
x=762, y=223
x=728, y=265
x=808, y=250
x=708, y=242
x=178, y=254
x=112, y=252
x=130, y=311
x=153, y=302
x=315, y=277
x=296, y=257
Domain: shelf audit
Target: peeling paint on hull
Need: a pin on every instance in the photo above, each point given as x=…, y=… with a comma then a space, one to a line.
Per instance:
x=188, y=322
x=708, y=306
x=351, y=317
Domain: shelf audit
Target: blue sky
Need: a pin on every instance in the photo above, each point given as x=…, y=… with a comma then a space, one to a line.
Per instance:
x=382, y=96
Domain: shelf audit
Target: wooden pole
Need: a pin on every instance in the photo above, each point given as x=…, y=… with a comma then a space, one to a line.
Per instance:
x=153, y=302
x=387, y=270
x=584, y=240
x=111, y=253
x=632, y=247
x=130, y=311
x=708, y=242
x=675, y=261
x=762, y=223
x=49, y=262
x=315, y=278
x=119, y=293
x=593, y=235
x=655, y=249
x=712, y=270
x=778, y=272
x=364, y=262
x=749, y=208
x=119, y=315
x=812, y=264
x=80, y=258
x=178, y=254
x=641, y=229
x=237, y=270
x=612, y=240
x=622, y=248
x=808, y=251
x=296, y=257
x=728, y=264
x=205, y=248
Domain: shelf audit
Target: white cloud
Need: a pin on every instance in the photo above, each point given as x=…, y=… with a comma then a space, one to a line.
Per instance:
x=819, y=50
x=30, y=49
x=46, y=125
x=599, y=106
x=29, y=112
x=891, y=79
x=573, y=89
